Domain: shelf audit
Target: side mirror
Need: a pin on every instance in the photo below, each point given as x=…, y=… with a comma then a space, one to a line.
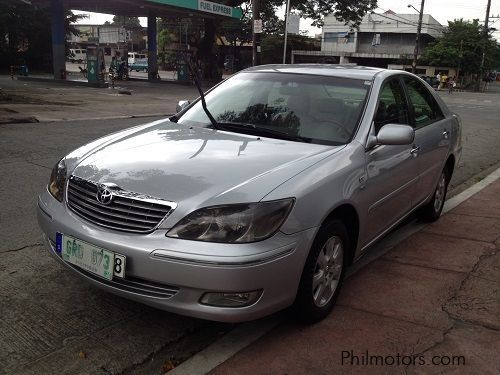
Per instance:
x=181, y=105
x=395, y=134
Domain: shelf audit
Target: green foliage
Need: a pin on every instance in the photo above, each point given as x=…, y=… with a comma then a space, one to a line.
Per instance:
x=26, y=35
x=272, y=47
x=462, y=46
x=238, y=32
x=126, y=21
x=349, y=11
x=165, y=39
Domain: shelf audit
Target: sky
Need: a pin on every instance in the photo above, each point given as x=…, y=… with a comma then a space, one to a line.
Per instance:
x=441, y=10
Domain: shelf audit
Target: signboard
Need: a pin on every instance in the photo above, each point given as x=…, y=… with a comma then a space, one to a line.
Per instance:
x=293, y=23
x=257, y=26
x=215, y=8
x=203, y=6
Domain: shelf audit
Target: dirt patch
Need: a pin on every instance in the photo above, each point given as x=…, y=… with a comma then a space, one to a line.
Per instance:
x=9, y=111
x=7, y=98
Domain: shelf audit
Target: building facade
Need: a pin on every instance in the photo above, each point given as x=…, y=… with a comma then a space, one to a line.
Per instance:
x=380, y=40
x=111, y=37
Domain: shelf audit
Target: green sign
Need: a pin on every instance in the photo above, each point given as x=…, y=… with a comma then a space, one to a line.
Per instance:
x=203, y=6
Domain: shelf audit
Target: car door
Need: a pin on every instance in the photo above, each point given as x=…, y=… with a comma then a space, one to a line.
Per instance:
x=391, y=169
x=432, y=136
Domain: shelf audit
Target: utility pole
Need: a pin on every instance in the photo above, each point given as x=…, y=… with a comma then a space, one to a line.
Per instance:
x=256, y=31
x=417, y=38
x=485, y=32
x=286, y=30
x=460, y=55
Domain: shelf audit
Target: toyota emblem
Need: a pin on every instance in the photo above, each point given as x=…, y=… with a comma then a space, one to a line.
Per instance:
x=104, y=195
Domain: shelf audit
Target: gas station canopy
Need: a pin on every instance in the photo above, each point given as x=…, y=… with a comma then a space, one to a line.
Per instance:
x=132, y=8
x=143, y=8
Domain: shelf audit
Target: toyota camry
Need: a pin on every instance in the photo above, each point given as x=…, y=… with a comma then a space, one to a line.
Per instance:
x=256, y=196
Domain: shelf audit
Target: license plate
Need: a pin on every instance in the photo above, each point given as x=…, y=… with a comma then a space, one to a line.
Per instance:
x=90, y=258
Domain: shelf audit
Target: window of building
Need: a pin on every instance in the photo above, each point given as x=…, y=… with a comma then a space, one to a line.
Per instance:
x=343, y=37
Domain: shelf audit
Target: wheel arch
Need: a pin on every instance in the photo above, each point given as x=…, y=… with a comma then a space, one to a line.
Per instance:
x=450, y=167
x=348, y=214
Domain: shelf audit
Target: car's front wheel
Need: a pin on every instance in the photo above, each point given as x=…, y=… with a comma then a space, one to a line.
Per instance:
x=323, y=272
x=432, y=210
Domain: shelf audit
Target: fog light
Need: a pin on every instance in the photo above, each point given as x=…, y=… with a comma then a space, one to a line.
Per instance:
x=241, y=299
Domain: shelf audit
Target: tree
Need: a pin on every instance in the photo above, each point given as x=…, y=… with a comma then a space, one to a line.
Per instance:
x=240, y=31
x=165, y=39
x=272, y=47
x=462, y=46
x=126, y=21
x=349, y=11
x=25, y=34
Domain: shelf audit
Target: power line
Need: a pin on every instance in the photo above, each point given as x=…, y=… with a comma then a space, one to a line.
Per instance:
x=407, y=20
x=410, y=23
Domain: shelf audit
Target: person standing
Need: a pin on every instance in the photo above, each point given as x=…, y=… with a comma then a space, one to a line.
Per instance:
x=438, y=77
x=113, y=65
x=451, y=84
x=444, y=81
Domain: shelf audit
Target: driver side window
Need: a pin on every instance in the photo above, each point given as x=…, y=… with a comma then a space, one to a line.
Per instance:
x=392, y=107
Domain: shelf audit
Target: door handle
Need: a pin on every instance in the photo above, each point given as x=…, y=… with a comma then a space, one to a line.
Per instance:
x=414, y=151
x=446, y=134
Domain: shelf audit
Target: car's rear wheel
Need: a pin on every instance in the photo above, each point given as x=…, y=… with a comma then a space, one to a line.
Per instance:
x=432, y=210
x=323, y=272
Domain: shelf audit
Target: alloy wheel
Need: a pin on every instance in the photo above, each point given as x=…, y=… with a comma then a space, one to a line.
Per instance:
x=328, y=270
x=440, y=193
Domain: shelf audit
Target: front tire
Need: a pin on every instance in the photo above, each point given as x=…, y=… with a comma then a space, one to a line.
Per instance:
x=323, y=272
x=432, y=210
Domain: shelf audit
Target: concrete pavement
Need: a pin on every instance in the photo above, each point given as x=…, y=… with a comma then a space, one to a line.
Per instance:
x=50, y=101
x=431, y=305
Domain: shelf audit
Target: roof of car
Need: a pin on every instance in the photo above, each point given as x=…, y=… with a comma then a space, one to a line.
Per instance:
x=333, y=70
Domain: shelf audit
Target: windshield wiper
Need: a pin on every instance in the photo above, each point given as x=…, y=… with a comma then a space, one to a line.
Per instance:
x=202, y=96
x=264, y=131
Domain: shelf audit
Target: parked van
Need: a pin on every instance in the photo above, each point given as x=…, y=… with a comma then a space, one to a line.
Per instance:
x=134, y=56
x=77, y=55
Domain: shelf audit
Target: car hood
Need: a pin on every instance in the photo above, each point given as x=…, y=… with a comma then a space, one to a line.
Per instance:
x=197, y=166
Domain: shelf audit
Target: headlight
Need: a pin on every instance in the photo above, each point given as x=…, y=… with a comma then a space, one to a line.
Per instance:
x=58, y=180
x=238, y=223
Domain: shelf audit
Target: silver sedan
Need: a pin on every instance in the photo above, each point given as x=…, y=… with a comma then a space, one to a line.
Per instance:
x=257, y=196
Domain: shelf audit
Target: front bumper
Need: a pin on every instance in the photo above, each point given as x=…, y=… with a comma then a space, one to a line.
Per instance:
x=173, y=274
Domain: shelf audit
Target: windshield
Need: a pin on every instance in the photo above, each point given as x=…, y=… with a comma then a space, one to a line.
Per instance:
x=320, y=109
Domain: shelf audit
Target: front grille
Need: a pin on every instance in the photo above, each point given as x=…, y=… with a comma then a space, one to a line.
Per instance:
x=127, y=211
x=133, y=285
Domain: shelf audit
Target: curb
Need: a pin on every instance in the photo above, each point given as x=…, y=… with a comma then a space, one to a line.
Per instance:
x=35, y=119
x=106, y=83
x=18, y=120
x=63, y=81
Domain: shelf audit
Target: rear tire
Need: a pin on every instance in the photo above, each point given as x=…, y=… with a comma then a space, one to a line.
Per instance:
x=323, y=272
x=432, y=210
